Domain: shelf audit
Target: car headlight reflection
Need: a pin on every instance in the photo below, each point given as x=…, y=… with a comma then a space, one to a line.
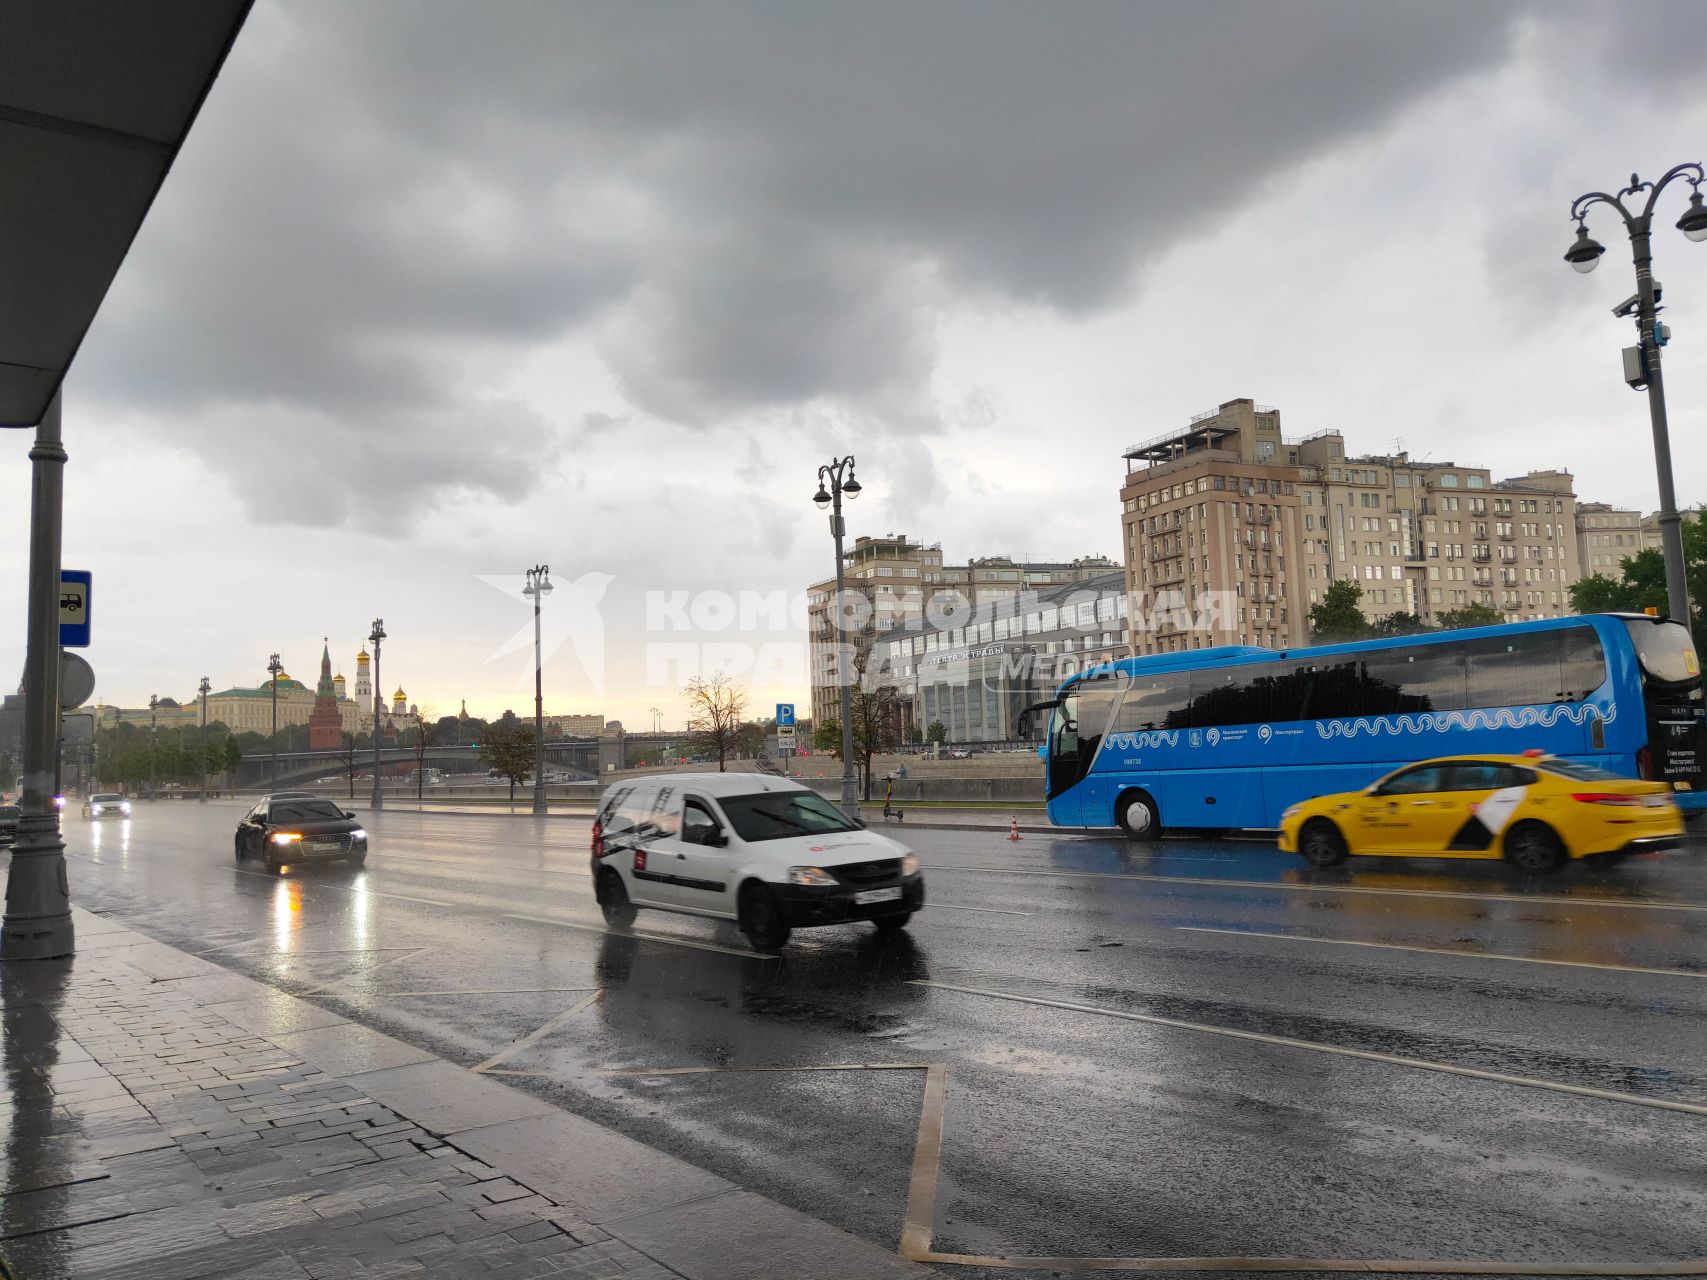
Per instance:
x=286, y=837
x=810, y=875
x=910, y=864
x=359, y=834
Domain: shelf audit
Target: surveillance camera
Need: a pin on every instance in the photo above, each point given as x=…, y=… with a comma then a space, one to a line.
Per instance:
x=1627, y=308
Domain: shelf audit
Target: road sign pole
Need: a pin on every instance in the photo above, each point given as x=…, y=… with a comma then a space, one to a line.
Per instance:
x=38, y=897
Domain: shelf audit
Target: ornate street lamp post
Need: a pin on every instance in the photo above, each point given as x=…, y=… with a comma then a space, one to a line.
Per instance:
x=1644, y=370
x=153, y=746
x=203, y=689
x=538, y=587
x=377, y=800
x=274, y=667
x=840, y=479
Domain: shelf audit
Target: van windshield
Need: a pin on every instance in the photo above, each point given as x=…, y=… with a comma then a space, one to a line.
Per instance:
x=776, y=815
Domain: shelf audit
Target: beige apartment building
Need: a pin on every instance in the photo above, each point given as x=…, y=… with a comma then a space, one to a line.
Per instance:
x=1607, y=536
x=1231, y=514
x=892, y=580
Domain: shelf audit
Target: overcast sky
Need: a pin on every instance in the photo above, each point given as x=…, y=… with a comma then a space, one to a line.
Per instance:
x=438, y=291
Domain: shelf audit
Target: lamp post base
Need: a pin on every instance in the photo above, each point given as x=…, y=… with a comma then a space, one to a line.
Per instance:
x=38, y=897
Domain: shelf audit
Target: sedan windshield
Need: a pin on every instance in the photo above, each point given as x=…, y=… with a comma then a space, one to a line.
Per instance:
x=105, y=799
x=306, y=811
x=776, y=815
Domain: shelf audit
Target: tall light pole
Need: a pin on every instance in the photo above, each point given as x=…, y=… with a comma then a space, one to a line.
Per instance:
x=839, y=477
x=38, y=897
x=203, y=689
x=274, y=667
x=1642, y=362
x=377, y=800
x=657, y=721
x=538, y=587
x=153, y=746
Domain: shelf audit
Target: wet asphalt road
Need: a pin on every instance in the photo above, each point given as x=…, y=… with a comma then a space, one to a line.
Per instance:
x=1081, y=993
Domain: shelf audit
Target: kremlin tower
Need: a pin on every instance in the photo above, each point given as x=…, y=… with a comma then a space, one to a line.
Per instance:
x=364, y=680
x=326, y=724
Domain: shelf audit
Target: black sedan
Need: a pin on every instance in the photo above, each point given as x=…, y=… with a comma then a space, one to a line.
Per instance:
x=10, y=817
x=288, y=831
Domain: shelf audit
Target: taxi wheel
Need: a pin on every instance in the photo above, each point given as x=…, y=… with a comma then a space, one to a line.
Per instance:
x=613, y=900
x=1534, y=848
x=1322, y=844
x=237, y=843
x=1138, y=816
x=761, y=919
x=894, y=923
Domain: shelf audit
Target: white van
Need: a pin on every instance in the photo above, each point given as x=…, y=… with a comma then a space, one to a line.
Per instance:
x=766, y=852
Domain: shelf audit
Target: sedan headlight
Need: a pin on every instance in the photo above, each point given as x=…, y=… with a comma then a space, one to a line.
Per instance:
x=1291, y=811
x=94, y=808
x=125, y=807
x=286, y=837
x=359, y=834
x=810, y=875
x=59, y=802
x=910, y=864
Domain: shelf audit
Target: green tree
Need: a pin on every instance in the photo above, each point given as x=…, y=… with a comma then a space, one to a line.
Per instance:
x=714, y=715
x=827, y=738
x=508, y=748
x=937, y=732
x=915, y=735
x=876, y=726
x=1471, y=615
x=1337, y=618
x=1399, y=624
x=1641, y=583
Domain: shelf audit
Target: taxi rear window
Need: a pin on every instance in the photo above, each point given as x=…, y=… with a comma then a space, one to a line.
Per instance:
x=1579, y=772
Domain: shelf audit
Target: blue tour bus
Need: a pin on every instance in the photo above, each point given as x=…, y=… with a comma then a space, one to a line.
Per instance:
x=1227, y=738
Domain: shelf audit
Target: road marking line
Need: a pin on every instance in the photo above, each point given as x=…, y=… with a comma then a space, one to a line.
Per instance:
x=1519, y=899
x=1368, y=1055
x=706, y=1071
x=1696, y=1267
x=495, y=991
x=351, y=977
x=648, y=937
x=539, y=1033
x=994, y=911
x=1441, y=951
x=920, y=1223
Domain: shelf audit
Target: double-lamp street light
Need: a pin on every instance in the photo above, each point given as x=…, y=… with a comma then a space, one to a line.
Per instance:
x=202, y=690
x=274, y=668
x=538, y=587
x=1642, y=362
x=377, y=800
x=153, y=746
x=835, y=479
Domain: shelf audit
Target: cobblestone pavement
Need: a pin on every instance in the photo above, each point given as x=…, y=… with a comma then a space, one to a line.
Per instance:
x=149, y=1136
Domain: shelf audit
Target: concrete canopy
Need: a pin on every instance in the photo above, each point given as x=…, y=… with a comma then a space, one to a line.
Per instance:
x=96, y=99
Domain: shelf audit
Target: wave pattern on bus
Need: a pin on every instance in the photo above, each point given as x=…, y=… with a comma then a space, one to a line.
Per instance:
x=1442, y=721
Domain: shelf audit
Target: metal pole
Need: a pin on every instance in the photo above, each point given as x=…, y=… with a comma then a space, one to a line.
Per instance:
x=204, y=687
x=538, y=704
x=38, y=897
x=273, y=669
x=377, y=799
x=850, y=783
x=1671, y=528
x=153, y=746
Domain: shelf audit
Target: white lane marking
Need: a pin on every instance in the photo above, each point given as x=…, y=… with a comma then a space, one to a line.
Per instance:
x=538, y=1033
x=1441, y=951
x=1368, y=1055
x=646, y=937
x=994, y=911
x=493, y=991
x=351, y=977
x=1518, y=899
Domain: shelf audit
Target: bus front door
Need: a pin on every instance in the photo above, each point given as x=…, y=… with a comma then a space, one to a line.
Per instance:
x=1065, y=765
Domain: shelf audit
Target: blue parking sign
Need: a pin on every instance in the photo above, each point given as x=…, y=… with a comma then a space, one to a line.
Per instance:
x=784, y=715
x=76, y=587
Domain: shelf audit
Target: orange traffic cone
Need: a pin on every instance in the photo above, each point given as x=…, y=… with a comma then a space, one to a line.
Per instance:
x=1013, y=829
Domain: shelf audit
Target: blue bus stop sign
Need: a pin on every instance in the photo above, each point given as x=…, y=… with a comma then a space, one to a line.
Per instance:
x=785, y=715
x=76, y=587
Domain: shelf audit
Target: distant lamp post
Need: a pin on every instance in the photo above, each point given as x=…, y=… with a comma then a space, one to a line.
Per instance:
x=538, y=587
x=274, y=667
x=1642, y=362
x=203, y=689
x=153, y=746
x=377, y=800
x=834, y=480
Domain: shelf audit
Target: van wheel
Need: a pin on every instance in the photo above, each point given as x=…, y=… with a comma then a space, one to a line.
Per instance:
x=1322, y=844
x=613, y=900
x=1534, y=848
x=1138, y=817
x=761, y=919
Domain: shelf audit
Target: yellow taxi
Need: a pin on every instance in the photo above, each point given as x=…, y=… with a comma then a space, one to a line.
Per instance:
x=1535, y=811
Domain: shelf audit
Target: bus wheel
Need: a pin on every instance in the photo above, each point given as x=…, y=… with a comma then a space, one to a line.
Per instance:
x=1535, y=848
x=1322, y=844
x=1138, y=817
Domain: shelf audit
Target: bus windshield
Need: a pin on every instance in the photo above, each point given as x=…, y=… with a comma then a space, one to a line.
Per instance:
x=1666, y=652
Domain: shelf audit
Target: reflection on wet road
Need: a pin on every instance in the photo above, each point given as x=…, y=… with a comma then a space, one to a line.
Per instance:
x=1193, y=1049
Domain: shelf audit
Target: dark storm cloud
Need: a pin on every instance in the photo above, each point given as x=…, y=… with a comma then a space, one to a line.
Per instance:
x=744, y=206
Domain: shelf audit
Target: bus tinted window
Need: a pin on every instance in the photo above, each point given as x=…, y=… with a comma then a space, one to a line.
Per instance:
x=1582, y=663
x=1415, y=678
x=1154, y=702
x=1515, y=670
x=1229, y=695
x=1323, y=690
